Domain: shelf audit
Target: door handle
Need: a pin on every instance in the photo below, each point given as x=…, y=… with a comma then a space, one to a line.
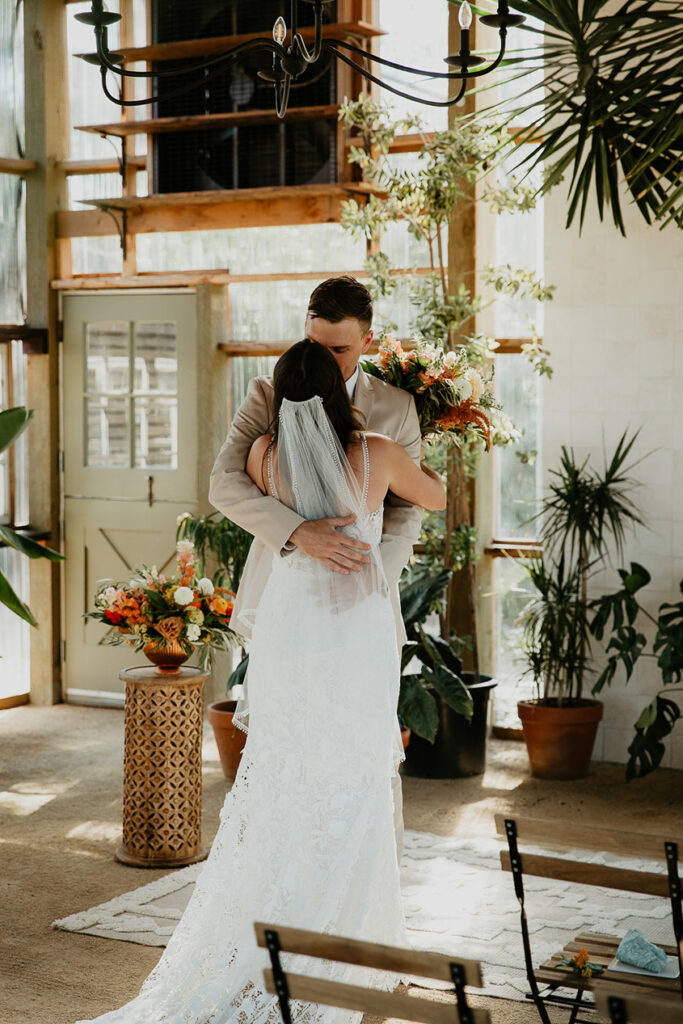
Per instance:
x=150, y=491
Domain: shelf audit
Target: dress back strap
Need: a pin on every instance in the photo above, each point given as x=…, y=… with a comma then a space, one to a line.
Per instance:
x=271, y=474
x=366, y=468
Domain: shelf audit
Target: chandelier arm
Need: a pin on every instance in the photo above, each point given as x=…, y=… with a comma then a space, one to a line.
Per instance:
x=399, y=92
x=282, y=96
x=415, y=71
x=492, y=67
x=167, y=95
x=262, y=42
x=298, y=40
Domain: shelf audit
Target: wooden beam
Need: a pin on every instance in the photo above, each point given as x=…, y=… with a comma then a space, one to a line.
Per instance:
x=161, y=279
x=73, y=167
x=16, y=165
x=200, y=122
x=513, y=549
x=34, y=339
x=195, y=211
x=276, y=348
x=187, y=48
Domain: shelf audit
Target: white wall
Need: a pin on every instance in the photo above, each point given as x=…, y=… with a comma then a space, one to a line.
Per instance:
x=615, y=334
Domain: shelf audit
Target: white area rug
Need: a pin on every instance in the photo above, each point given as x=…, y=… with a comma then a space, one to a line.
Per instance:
x=457, y=900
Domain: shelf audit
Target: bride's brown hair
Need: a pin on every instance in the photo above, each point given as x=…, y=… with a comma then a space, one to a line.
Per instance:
x=307, y=369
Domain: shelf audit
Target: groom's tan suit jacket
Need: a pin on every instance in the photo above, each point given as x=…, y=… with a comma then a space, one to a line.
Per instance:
x=386, y=409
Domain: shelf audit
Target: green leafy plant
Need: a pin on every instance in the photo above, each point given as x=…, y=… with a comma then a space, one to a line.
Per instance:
x=421, y=594
x=611, y=107
x=225, y=540
x=618, y=614
x=584, y=512
x=13, y=422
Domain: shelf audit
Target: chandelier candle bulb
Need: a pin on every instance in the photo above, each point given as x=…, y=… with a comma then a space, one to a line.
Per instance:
x=465, y=15
x=280, y=30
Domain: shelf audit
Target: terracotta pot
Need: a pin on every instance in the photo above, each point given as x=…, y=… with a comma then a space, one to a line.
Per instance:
x=168, y=657
x=229, y=739
x=560, y=738
x=405, y=738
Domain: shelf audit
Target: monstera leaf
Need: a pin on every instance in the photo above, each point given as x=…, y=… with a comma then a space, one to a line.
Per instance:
x=612, y=112
x=655, y=723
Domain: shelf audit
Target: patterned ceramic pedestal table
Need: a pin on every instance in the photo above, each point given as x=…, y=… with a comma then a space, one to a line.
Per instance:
x=162, y=767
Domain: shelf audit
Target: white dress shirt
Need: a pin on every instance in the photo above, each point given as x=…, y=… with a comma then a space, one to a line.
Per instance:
x=351, y=382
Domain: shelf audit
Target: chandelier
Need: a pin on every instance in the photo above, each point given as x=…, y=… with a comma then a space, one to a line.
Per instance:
x=290, y=61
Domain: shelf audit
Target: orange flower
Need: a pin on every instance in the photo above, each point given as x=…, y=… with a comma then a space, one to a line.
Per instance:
x=460, y=416
x=218, y=605
x=581, y=958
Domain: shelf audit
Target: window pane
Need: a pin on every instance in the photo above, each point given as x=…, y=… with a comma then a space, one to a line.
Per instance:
x=20, y=446
x=87, y=102
x=518, y=466
x=243, y=370
x=297, y=248
x=269, y=311
x=12, y=249
x=156, y=433
x=519, y=242
x=107, y=438
x=156, y=357
x=512, y=591
x=423, y=48
x=107, y=357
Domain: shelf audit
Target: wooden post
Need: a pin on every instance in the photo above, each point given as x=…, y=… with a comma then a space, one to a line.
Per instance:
x=461, y=270
x=45, y=54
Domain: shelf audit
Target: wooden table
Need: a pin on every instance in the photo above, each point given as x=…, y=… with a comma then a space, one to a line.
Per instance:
x=162, y=767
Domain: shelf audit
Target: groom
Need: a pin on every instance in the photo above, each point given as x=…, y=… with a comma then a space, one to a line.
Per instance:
x=340, y=318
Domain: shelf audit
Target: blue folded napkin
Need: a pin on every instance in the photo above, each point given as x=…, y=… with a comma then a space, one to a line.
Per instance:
x=637, y=950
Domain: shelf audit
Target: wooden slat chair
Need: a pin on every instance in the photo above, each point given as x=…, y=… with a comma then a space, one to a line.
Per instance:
x=280, y=939
x=629, y=1008
x=553, y=974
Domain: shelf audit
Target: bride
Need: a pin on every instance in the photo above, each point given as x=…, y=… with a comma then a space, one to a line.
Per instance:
x=306, y=835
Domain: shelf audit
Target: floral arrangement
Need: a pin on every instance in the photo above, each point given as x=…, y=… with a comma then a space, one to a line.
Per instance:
x=580, y=964
x=153, y=608
x=450, y=395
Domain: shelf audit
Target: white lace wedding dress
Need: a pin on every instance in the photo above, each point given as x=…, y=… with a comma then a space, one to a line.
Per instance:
x=306, y=834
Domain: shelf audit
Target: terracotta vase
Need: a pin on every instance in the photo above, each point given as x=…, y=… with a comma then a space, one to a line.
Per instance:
x=229, y=739
x=168, y=657
x=560, y=738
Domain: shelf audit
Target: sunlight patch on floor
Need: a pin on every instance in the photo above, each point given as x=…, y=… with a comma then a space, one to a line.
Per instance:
x=23, y=804
x=95, y=830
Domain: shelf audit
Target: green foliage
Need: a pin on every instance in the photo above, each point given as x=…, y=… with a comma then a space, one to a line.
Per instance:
x=619, y=613
x=421, y=594
x=227, y=541
x=13, y=422
x=611, y=107
x=583, y=513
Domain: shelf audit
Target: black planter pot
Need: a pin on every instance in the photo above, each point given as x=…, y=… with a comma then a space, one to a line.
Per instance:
x=460, y=746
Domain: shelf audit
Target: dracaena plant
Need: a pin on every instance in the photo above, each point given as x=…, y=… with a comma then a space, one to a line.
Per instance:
x=610, y=115
x=584, y=513
x=13, y=422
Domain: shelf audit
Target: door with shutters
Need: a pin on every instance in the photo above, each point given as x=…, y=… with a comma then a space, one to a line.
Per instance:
x=130, y=445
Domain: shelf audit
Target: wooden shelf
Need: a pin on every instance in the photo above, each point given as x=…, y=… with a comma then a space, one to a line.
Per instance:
x=195, y=211
x=197, y=122
x=217, y=44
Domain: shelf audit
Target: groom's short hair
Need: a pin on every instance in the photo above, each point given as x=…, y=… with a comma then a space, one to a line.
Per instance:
x=340, y=297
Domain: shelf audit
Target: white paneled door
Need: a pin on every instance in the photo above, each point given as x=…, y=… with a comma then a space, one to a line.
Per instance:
x=130, y=443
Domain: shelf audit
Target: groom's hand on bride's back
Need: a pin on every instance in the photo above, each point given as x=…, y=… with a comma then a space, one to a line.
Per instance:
x=321, y=539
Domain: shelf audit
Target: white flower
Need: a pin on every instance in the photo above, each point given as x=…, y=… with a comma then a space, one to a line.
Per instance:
x=183, y=595
x=109, y=595
x=184, y=547
x=463, y=388
x=205, y=586
x=477, y=383
x=193, y=632
x=182, y=517
x=450, y=359
x=136, y=583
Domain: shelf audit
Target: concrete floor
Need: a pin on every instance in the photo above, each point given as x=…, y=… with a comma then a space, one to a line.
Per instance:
x=60, y=821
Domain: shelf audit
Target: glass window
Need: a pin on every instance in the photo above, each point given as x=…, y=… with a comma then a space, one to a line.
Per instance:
x=518, y=467
x=300, y=248
x=131, y=399
x=425, y=48
x=88, y=104
x=512, y=590
x=15, y=634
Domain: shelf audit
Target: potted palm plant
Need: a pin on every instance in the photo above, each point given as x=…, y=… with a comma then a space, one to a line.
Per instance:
x=583, y=514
